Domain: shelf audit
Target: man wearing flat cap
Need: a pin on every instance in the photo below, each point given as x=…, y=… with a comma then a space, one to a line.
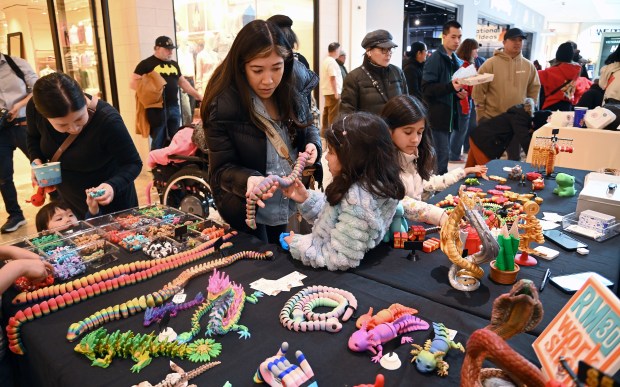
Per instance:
x=515, y=79
x=368, y=87
x=164, y=121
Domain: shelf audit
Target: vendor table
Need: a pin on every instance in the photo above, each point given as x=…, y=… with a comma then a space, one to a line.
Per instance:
x=594, y=149
x=384, y=277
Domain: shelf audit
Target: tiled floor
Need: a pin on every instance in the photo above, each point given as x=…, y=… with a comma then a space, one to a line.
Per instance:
x=24, y=191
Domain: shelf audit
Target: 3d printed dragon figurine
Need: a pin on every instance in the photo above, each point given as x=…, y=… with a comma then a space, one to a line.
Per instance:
x=180, y=378
x=297, y=313
x=518, y=311
x=71, y=293
x=137, y=305
x=155, y=314
x=465, y=273
x=394, y=312
x=268, y=182
x=430, y=357
x=278, y=371
x=225, y=300
x=371, y=340
x=102, y=348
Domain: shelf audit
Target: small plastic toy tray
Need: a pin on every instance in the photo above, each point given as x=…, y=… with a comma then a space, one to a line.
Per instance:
x=78, y=228
x=570, y=223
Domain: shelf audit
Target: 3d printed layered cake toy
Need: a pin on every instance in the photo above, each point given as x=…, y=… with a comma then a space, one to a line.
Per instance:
x=265, y=185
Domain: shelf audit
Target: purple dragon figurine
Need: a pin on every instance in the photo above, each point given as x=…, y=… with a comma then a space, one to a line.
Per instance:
x=155, y=314
x=372, y=340
x=268, y=182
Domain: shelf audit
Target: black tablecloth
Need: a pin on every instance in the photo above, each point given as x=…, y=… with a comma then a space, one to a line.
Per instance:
x=428, y=277
x=385, y=277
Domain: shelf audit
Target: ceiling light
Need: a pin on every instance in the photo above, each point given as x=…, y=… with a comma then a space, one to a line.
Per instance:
x=417, y=22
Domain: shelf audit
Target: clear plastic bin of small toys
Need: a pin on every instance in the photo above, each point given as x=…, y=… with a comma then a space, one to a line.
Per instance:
x=88, y=236
x=47, y=240
x=130, y=240
x=162, y=247
x=77, y=228
x=65, y=258
x=98, y=253
x=132, y=219
x=570, y=223
x=209, y=229
x=160, y=211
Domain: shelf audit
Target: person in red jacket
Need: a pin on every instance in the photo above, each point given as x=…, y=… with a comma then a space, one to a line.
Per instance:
x=558, y=81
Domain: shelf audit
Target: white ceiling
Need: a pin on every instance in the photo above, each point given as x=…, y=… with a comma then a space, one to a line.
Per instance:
x=599, y=11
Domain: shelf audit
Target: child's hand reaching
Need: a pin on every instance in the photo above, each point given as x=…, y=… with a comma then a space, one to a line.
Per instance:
x=296, y=192
x=479, y=170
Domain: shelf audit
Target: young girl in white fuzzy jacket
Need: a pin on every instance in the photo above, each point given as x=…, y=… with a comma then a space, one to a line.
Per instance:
x=407, y=119
x=357, y=208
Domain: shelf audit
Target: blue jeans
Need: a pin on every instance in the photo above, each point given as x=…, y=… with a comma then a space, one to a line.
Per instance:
x=10, y=139
x=458, y=137
x=441, y=142
x=170, y=121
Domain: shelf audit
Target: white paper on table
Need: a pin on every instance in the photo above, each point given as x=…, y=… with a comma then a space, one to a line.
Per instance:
x=552, y=216
x=273, y=287
x=465, y=72
x=547, y=225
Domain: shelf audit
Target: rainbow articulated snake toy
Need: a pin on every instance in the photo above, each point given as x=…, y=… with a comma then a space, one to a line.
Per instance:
x=465, y=273
x=268, y=182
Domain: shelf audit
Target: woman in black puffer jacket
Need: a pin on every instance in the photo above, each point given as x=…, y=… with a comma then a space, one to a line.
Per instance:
x=256, y=90
x=368, y=87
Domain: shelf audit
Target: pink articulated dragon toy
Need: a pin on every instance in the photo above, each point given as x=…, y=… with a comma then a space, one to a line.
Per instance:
x=261, y=188
x=372, y=340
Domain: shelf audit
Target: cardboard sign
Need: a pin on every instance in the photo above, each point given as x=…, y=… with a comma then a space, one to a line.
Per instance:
x=587, y=328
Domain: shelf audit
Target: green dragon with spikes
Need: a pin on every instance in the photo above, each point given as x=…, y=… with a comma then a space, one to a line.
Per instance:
x=102, y=348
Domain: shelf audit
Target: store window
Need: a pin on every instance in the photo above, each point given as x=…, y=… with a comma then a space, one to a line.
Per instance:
x=77, y=43
x=205, y=30
x=490, y=35
x=424, y=23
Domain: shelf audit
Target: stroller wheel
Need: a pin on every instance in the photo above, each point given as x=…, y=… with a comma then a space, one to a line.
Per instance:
x=188, y=190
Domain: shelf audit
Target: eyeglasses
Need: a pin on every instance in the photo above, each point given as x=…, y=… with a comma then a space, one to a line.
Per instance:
x=385, y=51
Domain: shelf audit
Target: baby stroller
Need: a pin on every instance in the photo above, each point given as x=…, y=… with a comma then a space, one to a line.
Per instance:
x=185, y=185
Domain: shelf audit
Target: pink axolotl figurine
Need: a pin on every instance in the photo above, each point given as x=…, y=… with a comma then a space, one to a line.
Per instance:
x=372, y=340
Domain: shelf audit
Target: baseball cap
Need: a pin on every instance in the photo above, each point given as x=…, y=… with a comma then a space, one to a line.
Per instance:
x=515, y=33
x=378, y=38
x=165, y=42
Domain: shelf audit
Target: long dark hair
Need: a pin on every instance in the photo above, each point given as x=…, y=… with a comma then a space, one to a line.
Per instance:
x=613, y=57
x=405, y=110
x=466, y=49
x=367, y=157
x=257, y=39
x=57, y=94
x=46, y=213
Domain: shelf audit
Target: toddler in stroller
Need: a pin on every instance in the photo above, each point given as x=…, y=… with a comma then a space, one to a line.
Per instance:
x=180, y=172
